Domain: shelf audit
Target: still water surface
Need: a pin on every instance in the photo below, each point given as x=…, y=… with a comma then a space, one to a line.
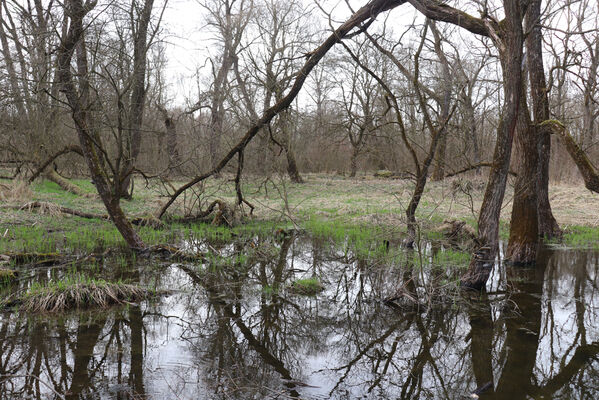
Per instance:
x=239, y=332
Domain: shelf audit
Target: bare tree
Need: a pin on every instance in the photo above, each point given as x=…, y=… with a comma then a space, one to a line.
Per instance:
x=108, y=171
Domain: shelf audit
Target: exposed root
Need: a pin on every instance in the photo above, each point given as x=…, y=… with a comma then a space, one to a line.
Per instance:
x=458, y=233
x=149, y=220
x=224, y=214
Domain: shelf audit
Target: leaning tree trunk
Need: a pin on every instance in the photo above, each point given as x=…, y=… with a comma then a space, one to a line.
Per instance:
x=510, y=48
x=588, y=171
x=524, y=226
x=79, y=102
x=548, y=226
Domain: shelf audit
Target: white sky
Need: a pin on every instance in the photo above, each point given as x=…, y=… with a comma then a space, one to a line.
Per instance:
x=189, y=41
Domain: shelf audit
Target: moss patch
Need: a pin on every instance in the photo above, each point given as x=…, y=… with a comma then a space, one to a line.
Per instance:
x=307, y=287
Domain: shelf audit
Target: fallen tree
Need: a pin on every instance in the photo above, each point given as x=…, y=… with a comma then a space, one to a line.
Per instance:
x=585, y=167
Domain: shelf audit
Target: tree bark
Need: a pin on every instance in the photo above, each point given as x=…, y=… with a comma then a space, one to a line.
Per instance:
x=548, y=226
x=79, y=103
x=292, y=170
x=45, y=164
x=353, y=167
x=585, y=167
x=510, y=48
x=524, y=226
x=53, y=176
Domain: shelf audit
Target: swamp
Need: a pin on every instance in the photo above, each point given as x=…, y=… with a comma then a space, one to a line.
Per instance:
x=299, y=199
x=336, y=307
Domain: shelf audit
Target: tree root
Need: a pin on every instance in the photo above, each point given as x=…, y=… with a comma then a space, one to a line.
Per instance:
x=225, y=215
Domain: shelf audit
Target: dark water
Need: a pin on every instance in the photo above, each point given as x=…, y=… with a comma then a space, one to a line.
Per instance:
x=236, y=331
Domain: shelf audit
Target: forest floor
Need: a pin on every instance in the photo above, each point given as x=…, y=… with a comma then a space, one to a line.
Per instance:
x=323, y=202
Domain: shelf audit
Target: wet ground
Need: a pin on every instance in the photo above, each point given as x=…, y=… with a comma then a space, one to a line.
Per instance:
x=236, y=330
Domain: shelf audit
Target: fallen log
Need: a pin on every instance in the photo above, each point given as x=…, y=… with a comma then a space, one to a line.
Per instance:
x=587, y=169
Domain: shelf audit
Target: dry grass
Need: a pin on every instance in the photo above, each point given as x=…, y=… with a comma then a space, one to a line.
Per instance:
x=360, y=200
x=15, y=192
x=78, y=292
x=383, y=201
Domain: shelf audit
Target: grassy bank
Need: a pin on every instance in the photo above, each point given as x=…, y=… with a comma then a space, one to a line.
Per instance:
x=357, y=210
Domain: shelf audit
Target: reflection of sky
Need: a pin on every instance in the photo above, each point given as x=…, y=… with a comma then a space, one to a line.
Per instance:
x=343, y=343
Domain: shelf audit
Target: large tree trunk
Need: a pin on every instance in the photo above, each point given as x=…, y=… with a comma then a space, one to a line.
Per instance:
x=292, y=170
x=510, y=50
x=79, y=102
x=548, y=226
x=524, y=226
x=353, y=162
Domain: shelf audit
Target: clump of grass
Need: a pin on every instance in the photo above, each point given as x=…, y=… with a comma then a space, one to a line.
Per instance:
x=78, y=291
x=307, y=287
x=16, y=191
x=7, y=275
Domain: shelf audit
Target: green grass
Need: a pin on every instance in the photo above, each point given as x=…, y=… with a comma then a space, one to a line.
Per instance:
x=7, y=276
x=582, y=237
x=307, y=287
x=452, y=258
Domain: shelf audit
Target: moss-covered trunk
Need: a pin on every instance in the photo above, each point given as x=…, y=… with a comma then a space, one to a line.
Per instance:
x=524, y=225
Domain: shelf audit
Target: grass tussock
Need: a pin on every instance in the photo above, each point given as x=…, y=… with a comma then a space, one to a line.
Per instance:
x=7, y=275
x=15, y=192
x=78, y=292
x=43, y=207
x=307, y=287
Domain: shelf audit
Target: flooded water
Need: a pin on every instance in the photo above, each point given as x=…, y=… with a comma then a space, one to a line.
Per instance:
x=235, y=330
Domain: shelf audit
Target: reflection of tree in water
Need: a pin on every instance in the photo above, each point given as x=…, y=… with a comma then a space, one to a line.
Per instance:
x=348, y=343
x=75, y=355
x=248, y=336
